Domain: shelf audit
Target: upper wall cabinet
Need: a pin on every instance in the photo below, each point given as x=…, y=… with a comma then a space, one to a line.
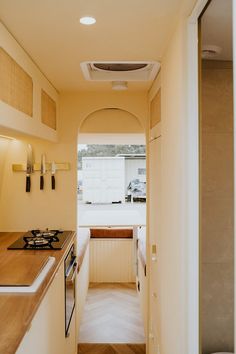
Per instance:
x=16, y=86
x=28, y=101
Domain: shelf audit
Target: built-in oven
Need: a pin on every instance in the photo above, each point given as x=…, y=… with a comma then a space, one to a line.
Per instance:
x=70, y=267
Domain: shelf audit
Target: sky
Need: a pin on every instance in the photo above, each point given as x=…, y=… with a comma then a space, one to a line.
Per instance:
x=82, y=146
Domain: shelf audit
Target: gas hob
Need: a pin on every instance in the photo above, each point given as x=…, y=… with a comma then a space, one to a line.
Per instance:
x=41, y=240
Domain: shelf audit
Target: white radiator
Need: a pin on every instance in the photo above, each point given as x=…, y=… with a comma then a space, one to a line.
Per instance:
x=111, y=261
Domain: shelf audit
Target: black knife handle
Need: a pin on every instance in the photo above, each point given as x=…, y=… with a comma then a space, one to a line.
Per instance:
x=53, y=182
x=41, y=182
x=28, y=184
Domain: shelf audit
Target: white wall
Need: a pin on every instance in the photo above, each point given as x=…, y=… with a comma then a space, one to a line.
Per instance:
x=174, y=181
x=20, y=211
x=173, y=246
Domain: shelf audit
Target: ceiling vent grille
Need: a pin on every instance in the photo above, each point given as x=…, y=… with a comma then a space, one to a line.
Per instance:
x=120, y=70
x=118, y=66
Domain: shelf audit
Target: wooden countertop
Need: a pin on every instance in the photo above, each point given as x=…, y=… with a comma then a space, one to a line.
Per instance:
x=20, y=269
x=17, y=310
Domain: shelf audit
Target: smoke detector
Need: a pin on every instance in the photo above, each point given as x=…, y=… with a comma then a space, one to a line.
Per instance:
x=120, y=70
x=211, y=51
x=119, y=85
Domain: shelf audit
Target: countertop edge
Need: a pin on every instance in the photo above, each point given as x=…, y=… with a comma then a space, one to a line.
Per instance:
x=45, y=285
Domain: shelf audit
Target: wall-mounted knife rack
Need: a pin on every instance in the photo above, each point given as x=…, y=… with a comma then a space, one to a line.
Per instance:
x=60, y=166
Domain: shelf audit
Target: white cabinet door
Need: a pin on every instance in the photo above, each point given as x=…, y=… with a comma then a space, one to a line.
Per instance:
x=154, y=245
x=46, y=334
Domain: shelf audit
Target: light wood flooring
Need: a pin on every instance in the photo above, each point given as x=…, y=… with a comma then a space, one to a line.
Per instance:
x=112, y=315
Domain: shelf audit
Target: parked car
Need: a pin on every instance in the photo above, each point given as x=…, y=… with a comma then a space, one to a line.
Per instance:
x=136, y=189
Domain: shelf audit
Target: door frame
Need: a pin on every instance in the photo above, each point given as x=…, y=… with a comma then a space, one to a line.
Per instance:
x=193, y=260
x=193, y=176
x=234, y=132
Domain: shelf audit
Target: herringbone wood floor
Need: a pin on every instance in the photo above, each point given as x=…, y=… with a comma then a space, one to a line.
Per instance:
x=111, y=348
x=112, y=315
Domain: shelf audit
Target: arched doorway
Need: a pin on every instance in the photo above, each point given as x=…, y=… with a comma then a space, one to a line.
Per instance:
x=113, y=224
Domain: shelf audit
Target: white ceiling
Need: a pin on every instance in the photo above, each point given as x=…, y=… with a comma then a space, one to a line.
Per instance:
x=49, y=30
x=217, y=27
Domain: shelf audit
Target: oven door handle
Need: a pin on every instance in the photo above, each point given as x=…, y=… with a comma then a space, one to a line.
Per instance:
x=70, y=279
x=72, y=266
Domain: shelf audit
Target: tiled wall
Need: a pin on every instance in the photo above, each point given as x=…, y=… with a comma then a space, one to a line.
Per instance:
x=216, y=215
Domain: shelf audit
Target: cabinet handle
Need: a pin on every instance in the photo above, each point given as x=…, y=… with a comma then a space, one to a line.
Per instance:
x=154, y=252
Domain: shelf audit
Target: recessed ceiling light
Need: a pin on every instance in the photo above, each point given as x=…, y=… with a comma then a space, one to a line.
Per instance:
x=87, y=20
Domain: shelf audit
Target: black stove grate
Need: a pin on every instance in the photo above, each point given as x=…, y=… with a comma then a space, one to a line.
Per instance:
x=41, y=240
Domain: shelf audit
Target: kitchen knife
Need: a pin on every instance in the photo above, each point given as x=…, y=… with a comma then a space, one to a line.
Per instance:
x=53, y=171
x=29, y=167
x=42, y=171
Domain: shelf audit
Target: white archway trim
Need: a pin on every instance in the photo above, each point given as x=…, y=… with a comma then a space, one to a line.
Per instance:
x=102, y=108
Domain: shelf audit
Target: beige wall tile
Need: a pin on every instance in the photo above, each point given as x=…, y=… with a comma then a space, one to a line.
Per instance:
x=217, y=239
x=217, y=307
x=217, y=164
x=217, y=87
x=216, y=212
